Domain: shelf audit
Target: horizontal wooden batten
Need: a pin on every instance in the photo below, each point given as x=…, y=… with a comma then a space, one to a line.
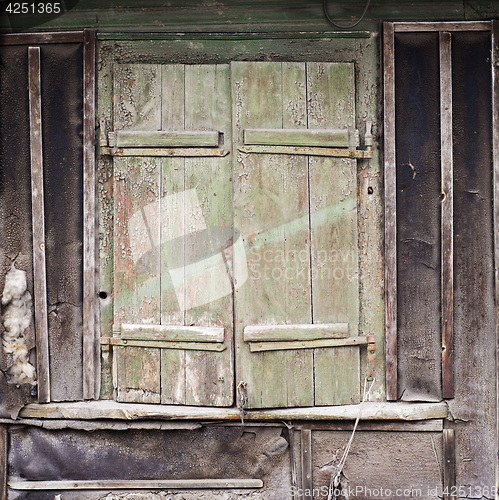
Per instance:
x=162, y=344
x=274, y=333
x=164, y=139
x=170, y=333
x=307, y=151
x=340, y=138
x=307, y=344
x=91, y=410
x=164, y=152
x=137, y=484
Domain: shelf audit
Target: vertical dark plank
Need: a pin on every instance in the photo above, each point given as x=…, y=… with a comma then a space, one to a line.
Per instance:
x=495, y=163
x=447, y=240
x=306, y=464
x=449, y=453
x=417, y=124
x=4, y=436
x=89, y=291
x=39, y=269
x=390, y=214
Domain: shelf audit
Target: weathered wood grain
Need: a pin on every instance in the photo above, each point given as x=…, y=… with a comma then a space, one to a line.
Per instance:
x=307, y=480
x=334, y=243
x=301, y=137
x=390, y=213
x=310, y=344
x=165, y=139
x=447, y=226
x=449, y=461
x=4, y=460
x=137, y=484
x=398, y=411
x=190, y=346
x=172, y=333
x=90, y=357
x=38, y=216
x=254, y=333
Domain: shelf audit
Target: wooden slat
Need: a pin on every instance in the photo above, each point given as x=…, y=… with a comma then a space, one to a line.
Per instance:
x=4, y=460
x=306, y=464
x=278, y=289
x=89, y=221
x=41, y=38
x=334, y=243
x=274, y=333
x=37, y=208
x=307, y=151
x=208, y=288
x=136, y=484
x=190, y=346
x=390, y=214
x=495, y=161
x=165, y=139
x=172, y=333
x=164, y=152
x=302, y=137
x=443, y=26
x=308, y=344
x=447, y=240
x=449, y=459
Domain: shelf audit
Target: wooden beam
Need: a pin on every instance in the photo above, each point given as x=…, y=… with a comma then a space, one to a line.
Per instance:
x=306, y=464
x=443, y=26
x=171, y=333
x=164, y=152
x=390, y=213
x=447, y=238
x=302, y=137
x=164, y=139
x=495, y=160
x=136, y=484
x=307, y=344
x=41, y=38
x=275, y=333
x=449, y=454
x=401, y=411
x=38, y=218
x=89, y=242
x=4, y=463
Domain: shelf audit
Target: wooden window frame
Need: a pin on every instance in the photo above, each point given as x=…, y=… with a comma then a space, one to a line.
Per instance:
x=443, y=28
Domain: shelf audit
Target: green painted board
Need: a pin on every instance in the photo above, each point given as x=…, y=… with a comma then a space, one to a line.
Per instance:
x=298, y=137
x=165, y=139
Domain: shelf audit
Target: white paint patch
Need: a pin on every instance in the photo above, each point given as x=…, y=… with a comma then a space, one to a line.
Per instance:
x=16, y=318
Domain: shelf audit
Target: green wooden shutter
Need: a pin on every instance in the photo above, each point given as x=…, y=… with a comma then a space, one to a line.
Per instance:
x=297, y=314
x=172, y=220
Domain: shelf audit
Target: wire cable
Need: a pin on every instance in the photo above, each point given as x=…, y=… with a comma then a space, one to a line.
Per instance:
x=328, y=17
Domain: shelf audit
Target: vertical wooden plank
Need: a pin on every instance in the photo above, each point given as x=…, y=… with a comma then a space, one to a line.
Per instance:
x=334, y=243
x=4, y=460
x=306, y=464
x=271, y=209
x=173, y=388
x=449, y=455
x=38, y=215
x=90, y=359
x=390, y=213
x=137, y=273
x=447, y=241
x=495, y=162
x=299, y=363
x=207, y=277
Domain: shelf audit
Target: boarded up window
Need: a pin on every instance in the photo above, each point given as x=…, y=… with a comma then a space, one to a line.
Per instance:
x=228, y=242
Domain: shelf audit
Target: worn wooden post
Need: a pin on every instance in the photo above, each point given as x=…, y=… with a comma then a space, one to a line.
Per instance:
x=306, y=464
x=4, y=437
x=37, y=208
x=449, y=453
